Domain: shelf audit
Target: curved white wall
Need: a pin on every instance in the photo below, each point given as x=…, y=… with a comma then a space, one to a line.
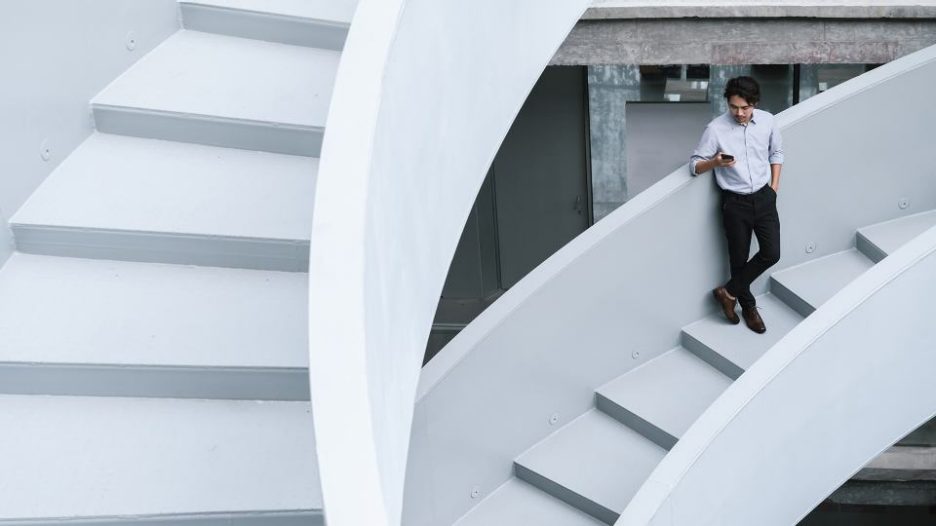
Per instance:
x=845, y=384
x=54, y=57
x=425, y=94
x=634, y=279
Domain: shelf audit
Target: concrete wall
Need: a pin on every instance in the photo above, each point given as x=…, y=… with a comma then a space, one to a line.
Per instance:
x=610, y=88
x=55, y=55
x=729, y=40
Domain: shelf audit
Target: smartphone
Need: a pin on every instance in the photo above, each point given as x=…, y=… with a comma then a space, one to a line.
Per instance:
x=727, y=157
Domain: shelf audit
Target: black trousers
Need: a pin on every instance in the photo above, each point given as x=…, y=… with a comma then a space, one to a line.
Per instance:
x=743, y=215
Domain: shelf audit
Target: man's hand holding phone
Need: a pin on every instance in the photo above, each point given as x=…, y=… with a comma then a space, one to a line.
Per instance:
x=724, y=160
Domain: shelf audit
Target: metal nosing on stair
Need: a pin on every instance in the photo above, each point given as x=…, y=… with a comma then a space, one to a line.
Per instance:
x=566, y=495
x=635, y=422
x=716, y=360
x=869, y=248
x=240, y=518
x=160, y=247
x=271, y=27
x=146, y=381
x=798, y=304
x=292, y=139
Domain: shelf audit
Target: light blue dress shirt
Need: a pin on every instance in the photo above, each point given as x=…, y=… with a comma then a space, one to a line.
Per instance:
x=755, y=147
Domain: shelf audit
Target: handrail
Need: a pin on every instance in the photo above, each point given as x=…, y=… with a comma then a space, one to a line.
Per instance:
x=425, y=93
x=836, y=391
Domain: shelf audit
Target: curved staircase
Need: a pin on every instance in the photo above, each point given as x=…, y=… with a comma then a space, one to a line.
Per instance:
x=594, y=465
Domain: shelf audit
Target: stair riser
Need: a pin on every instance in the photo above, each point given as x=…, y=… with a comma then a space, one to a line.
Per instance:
x=208, y=130
x=801, y=306
x=569, y=497
x=264, y=26
x=709, y=356
x=155, y=247
x=631, y=420
x=868, y=248
x=155, y=382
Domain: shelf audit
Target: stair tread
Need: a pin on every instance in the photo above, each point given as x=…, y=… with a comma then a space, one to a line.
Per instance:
x=737, y=343
x=114, y=182
x=596, y=457
x=73, y=457
x=818, y=280
x=115, y=312
x=670, y=391
x=516, y=502
x=226, y=77
x=891, y=235
x=338, y=11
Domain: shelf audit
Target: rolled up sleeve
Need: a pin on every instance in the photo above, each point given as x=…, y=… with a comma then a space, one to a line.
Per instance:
x=707, y=148
x=776, y=146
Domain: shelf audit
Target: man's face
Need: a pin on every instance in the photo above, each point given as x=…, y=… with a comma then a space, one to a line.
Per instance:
x=740, y=109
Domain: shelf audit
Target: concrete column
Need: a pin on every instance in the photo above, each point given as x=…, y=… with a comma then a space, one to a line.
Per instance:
x=809, y=81
x=609, y=89
x=718, y=78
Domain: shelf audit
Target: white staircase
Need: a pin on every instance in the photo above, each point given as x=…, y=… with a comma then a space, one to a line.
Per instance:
x=153, y=324
x=594, y=465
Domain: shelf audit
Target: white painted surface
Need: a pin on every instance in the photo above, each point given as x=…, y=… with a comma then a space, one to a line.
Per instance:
x=816, y=281
x=113, y=312
x=6, y=239
x=515, y=365
x=596, y=457
x=229, y=77
x=426, y=92
x=519, y=503
x=891, y=235
x=670, y=392
x=74, y=457
x=800, y=399
x=42, y=49
x=328, y=10
x=126, y=183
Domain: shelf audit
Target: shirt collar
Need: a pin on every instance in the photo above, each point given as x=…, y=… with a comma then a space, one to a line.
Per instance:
x=733, y=121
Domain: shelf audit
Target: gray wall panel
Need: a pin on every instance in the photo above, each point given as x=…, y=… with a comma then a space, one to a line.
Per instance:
x=661, y=136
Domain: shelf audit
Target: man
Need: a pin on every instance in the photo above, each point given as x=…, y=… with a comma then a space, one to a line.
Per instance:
x=745, y=149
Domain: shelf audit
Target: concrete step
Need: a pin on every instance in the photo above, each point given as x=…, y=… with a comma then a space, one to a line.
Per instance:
x=663, y=397
x=594, y=463
x=516, y=503
x=321, y=24
x=128, y=461
x=112, y=328
x=223, y=91
x=880, y=240
x=807, y=286
x=733, y=348
x=135, y=199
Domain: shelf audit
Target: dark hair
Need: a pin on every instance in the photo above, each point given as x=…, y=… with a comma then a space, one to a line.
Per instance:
x=744, y=87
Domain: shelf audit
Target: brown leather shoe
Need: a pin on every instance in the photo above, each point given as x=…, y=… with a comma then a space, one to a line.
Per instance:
x=753, y=320
x=727, y=304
